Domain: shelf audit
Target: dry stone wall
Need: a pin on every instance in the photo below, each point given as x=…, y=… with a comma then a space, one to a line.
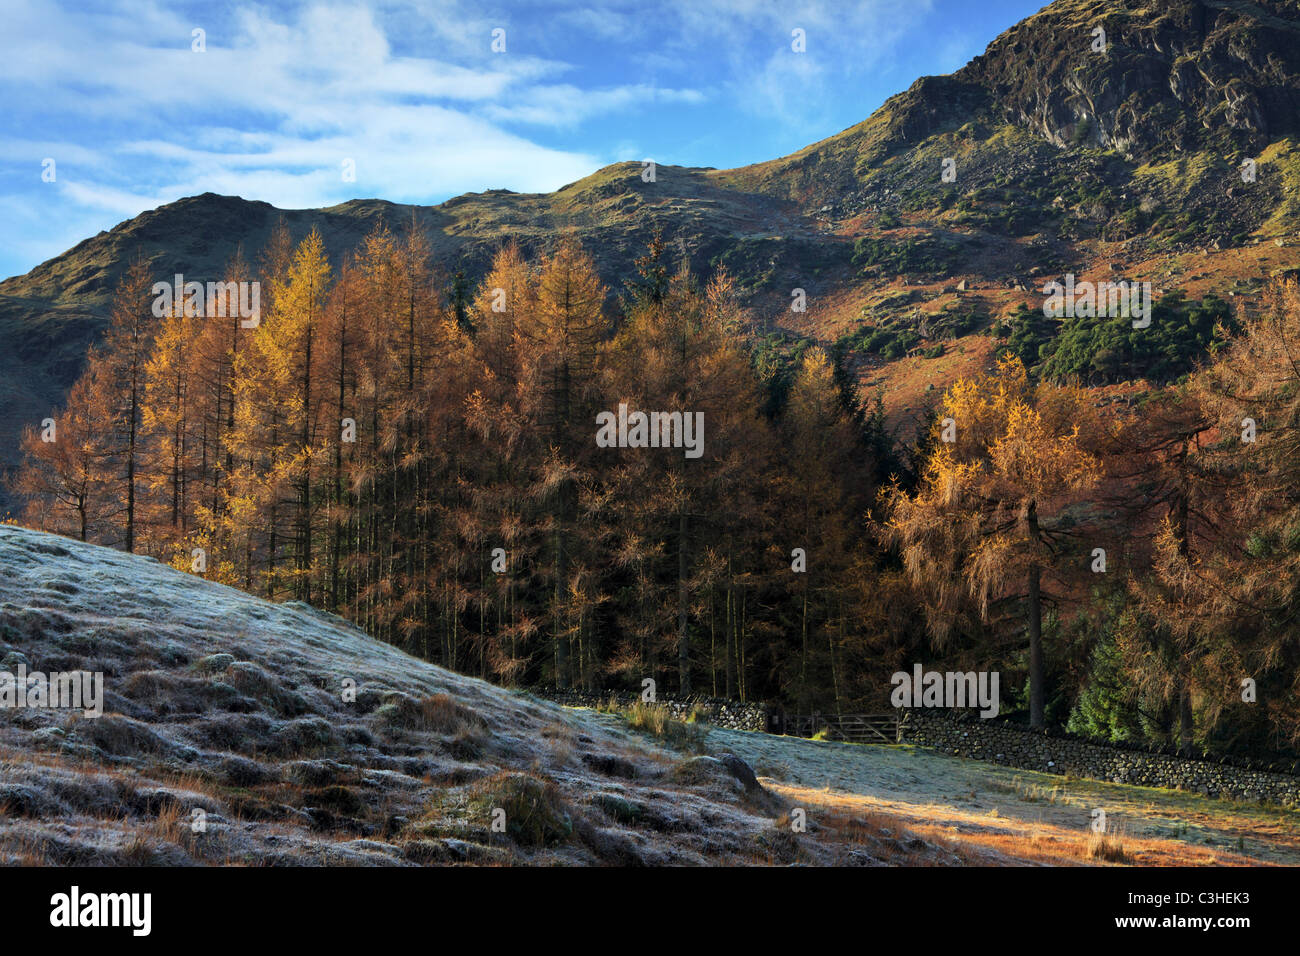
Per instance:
x=1017, y=746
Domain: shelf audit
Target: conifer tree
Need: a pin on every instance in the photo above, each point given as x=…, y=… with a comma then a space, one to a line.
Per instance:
x=992, y=515
x=62, y=477
x=120, y=389
x=558, y=353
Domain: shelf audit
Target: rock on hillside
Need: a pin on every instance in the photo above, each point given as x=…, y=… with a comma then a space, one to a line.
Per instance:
x=1176, y=74
x=219, y=702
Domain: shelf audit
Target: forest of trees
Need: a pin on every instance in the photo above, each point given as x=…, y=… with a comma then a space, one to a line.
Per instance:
x=419, y=456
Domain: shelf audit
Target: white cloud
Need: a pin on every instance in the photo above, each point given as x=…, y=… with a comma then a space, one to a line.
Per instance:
x=408, y=90
x=565, y=105
x=277, y=101
x=844, y=44
x=120, y=201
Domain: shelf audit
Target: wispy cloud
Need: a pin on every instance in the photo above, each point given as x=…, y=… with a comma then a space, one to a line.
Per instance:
x=276, y=102
x=410, y=93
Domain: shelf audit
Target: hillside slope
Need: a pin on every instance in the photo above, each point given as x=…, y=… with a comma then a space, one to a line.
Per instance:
x=221, y=702
x=218, y=701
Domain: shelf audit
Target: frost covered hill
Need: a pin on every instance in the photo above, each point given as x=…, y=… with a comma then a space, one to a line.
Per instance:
x=218, y=701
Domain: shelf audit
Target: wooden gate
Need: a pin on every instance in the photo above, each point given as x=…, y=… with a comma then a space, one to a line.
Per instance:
x=854, y=728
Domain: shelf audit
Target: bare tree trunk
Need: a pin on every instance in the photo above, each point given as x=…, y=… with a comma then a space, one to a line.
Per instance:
x=729, y=637
x=683, y=636
x=561, y=646
x=1037, y=718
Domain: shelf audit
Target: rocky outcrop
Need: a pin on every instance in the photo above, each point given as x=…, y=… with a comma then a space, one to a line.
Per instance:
x=1175, y=74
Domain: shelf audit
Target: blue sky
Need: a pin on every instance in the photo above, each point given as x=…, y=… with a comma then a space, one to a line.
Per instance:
x=414, y=95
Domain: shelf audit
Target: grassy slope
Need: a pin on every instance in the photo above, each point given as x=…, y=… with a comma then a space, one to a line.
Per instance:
x=977, y=808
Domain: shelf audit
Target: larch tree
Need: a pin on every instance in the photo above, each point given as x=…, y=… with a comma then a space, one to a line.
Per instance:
x=172, y=450
x=339, y=350
x=679, y=351
x=505, y=301
x=259, y=501
x=63, y=469
x=819, y=441
x=1236, y=601
x=221, y=336
x=992, y=513
x=1164, y=492
x=558, y=352
x=290, y=350
x=120, y=386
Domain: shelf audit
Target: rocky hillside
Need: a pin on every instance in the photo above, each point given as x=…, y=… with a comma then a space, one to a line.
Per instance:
x=1117, y=163
x=1176, y=77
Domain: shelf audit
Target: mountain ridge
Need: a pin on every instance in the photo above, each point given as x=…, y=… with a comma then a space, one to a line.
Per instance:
x=1065, y=159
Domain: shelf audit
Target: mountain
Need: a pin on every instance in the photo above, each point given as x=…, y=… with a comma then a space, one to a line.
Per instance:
x=1123, y=163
